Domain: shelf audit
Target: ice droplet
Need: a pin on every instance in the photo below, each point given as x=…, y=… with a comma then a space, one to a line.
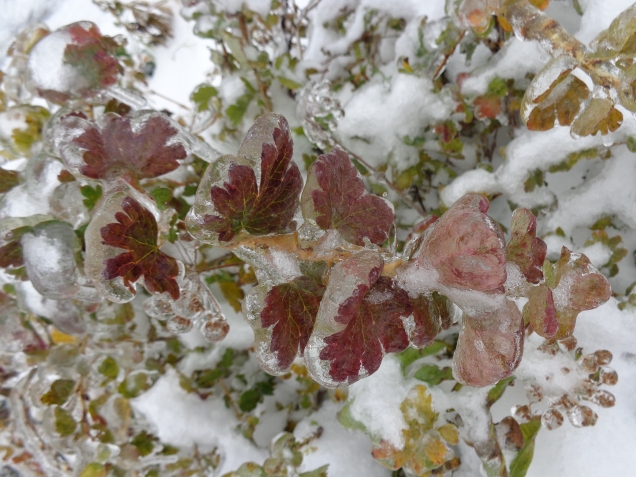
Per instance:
x=551, y=419
x=581, y=416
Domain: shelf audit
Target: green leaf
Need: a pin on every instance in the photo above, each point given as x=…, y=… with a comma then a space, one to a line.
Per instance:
x=433, y=375
x=92, y=195
x=521, y=463
x=319, y=472
x=249, y=399
x=236, y=111
x=59, y=392
x=497, y=391
x=410, y=355
x=202, y=95
x=65, y=425
x=347, y=420
x=162, y=195
x=143, y=443
x=287, y=83
x=94, y=469
x=109, y=368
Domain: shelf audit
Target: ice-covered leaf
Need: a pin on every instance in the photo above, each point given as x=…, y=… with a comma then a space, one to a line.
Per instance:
x=540, y=311
x=560, y=107
x=291, y=308
x=374, y=327
x=335, y=198
x=425, y=447
x=136, y=231
x=146, y=145
x=431, y=314
x=11, y=252
x=466, y=247
x=241, y=202
x=576, y=286
x=490, y=346
x=600, y=115
x=91, y=54
x=59, y=392
x=554, y=97
x=525, y=249
x=75, y=61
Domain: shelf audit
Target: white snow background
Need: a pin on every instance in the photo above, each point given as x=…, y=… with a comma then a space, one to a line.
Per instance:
x=605, y=450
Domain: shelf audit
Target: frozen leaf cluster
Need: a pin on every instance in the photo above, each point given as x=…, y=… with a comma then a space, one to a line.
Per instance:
x=328, y=293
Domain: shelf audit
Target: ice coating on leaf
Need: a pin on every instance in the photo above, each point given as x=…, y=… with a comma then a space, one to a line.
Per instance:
x=577, y=286
x=554, y=97
x=318, y=111
x=466, y=247
x=426, y=447
x=374, y=327
x=144, y=145
x=477, y=14
x=490, y=346
x=349, y=281
x=237, y=193
x=621, y=30
x=98, y=253
x=431, y=314
x=291, y=308
x=540, y=311
x=283, y=318
x=335, y=198
x=525, y=248
x=136, y=231
x=66, y=204
x=49, y=259
x=599, y=115
x=73, y=62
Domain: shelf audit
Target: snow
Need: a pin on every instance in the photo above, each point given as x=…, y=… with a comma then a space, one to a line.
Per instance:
x=184, y=419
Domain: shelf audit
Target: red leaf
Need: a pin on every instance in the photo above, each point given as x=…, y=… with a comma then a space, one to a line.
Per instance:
x=136, y=231
x=115, y=145
x=342, y=203
x=466, y=247
x=291, y=308
x=431, y=314
x=525, y=249
x=487, y=106
x=91, y=54
x=490, y=346
x=11, y=255
x=267, y=209
x=540, y=311
x=374, y=327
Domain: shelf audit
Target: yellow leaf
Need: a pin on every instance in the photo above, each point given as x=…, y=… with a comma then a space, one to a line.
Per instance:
x=560, y=106
x=62, y=338
x=600, y=115
x=436, y=451
x=449, y=434
x=424, y=450
x=233, y=294
x=540, y=4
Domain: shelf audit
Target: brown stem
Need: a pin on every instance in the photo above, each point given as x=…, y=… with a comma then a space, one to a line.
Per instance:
x=228, y=396
x=441, y=66
x=289, y=243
